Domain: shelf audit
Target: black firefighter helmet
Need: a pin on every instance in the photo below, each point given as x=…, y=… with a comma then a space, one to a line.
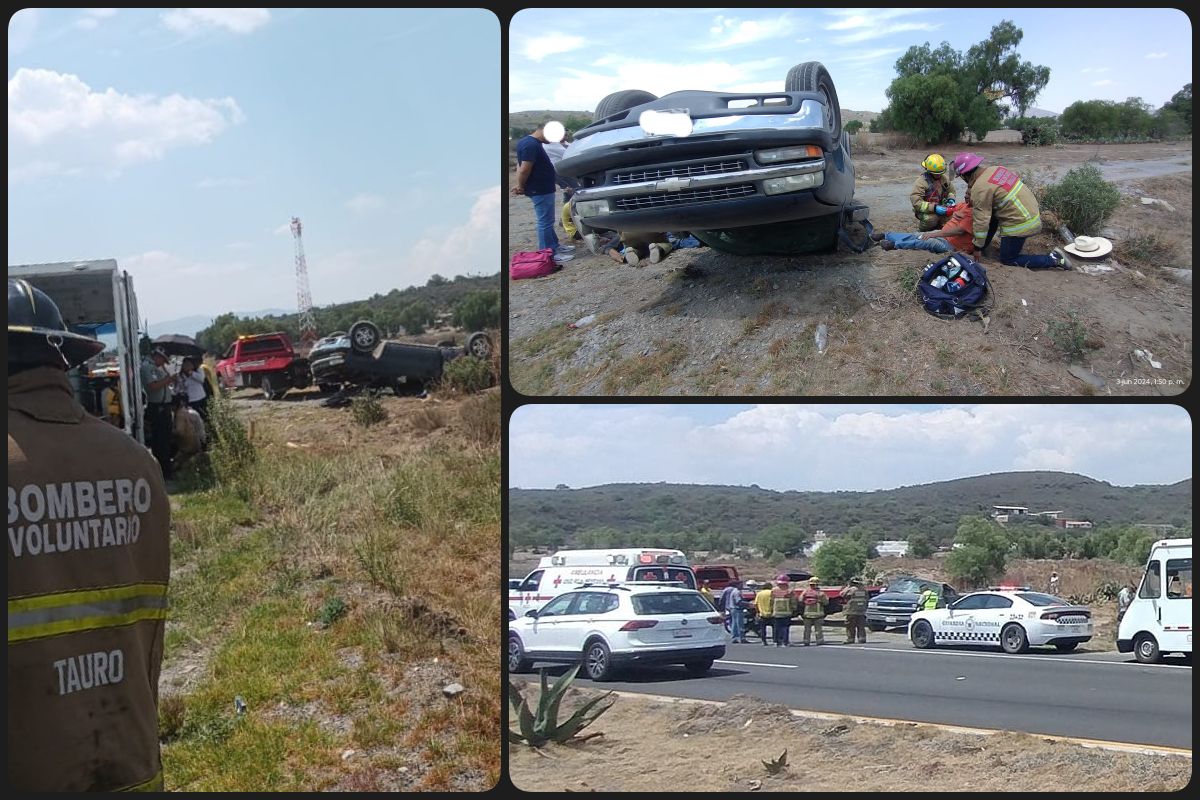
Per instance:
x=37, y=333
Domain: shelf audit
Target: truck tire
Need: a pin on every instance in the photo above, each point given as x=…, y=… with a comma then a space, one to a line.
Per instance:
x=480, y=345
x=364, y=336
x=597, y=661
x=811, y=76
x=1145, y=649
x=621, y=101
x=273, y=386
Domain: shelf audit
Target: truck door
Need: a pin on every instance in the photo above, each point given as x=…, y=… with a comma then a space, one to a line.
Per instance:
x=1177, y=607
x=128, y=354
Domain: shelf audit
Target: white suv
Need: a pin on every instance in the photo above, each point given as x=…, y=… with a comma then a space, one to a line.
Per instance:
x=608, y=627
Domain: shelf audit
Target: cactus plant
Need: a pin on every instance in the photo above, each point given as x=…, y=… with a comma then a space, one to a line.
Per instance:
x=538, y=729
x=776, y=765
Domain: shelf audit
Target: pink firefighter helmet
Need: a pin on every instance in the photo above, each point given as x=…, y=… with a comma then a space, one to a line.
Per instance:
x=965, y=162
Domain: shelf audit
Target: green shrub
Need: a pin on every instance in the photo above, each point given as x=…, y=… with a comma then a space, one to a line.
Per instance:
x=467, y=375
x=232, y=455
x=1036, y=131
x=853, y=126
x=541, y=728
x=331, y=611
x=1069, y=335
x=1082, y=199
x=478, y=310
x=840, y=560
x=367, y=410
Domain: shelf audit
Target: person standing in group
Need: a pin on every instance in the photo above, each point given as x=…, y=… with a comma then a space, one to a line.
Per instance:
x=536, y=180
x=1000, y=201
x=928, y=599
x=783, y=608
x=855, y=598
x=86, y=617
x=191, y=382
x=1124, y=599
x=706, y=590
x=731, y=601
x=763, y=608
x=813, y=602
x=156, y=381
x=932, y=194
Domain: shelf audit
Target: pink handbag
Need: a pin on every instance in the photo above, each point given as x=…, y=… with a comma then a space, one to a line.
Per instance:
x=536, y=264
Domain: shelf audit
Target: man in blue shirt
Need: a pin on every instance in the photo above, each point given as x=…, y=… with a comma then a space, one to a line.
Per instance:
x=536, y=180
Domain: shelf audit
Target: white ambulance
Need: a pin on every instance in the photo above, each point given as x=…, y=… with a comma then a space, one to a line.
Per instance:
x=1159, y=620
x=570, y=569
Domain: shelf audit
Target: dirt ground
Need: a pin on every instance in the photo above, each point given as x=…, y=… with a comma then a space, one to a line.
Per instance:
x=707, y=323
x=658, y=746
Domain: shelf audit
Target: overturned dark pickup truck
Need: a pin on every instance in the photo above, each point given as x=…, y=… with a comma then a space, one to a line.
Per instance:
x=751, y=174
x=361, y=358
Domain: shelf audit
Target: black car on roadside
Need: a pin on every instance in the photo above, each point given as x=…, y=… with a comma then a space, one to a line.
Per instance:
x=746, y=173
x=893, y=607
x=360, y=357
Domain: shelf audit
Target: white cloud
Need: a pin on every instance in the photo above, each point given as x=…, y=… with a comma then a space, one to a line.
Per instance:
x=732, y=32
x=537, y=48
x=91, y=17
x=1105, y=82
x=879, y=32
x=861, y=57
x=469, y=248
x=57, y=124
x=1156, y=55
x=170, y=285
x=236, y=20
x=364, y=203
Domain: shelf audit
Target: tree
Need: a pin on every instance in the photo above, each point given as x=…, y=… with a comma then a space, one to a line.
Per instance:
x=980, y=552
x=839, y=560
x=436, y=280
x=920, y=545
x=1179, y=108
x=782, y=537
x=478, y=310
x=938, y=92
x=853, y=126
x=866, y=536
x=415, y=317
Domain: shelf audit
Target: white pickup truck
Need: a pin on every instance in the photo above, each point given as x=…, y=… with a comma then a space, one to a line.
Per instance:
x=96, y=298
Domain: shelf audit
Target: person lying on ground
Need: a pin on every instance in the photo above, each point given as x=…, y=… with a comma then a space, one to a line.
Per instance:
x=634, y=248
x=956, y=234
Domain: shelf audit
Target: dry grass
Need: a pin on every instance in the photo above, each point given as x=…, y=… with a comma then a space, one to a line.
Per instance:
x=645, y=374
x=324, y=601
x=653, y=746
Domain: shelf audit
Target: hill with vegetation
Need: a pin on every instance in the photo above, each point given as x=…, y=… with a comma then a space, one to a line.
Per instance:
x=470, y=303
x=563, y=516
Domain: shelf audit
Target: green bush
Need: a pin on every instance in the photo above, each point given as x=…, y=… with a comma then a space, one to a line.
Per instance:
x=840, y=560
x=980, y=554
x=367, y=410
x=467, y=375
x=1069, y=335
x=853, y=126
x=1083, y=200
x=920, y=546
x=333, y=609
x=232, y=455
x=478, y=310
x=1036, y=131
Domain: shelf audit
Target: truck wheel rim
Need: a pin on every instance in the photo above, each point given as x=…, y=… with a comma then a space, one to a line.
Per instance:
x=364, y=338
x=1146, y=649
x=596, y=661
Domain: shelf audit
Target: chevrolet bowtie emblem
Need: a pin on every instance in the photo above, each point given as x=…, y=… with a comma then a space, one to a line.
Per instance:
x=673, y=184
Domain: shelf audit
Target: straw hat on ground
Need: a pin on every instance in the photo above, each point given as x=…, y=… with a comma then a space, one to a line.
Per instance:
x=1089, y=247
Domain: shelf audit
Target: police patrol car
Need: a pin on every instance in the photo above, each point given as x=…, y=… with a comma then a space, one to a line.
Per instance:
x=1013, y=619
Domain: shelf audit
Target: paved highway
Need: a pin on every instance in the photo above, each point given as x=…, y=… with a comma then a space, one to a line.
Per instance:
x=1106, y=696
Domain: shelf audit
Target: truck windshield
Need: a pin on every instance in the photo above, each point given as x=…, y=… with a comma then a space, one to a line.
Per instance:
x=911, y=586
x=670, y=603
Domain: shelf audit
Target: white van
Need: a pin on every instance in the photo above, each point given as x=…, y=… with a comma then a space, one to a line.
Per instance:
x=96, y=298
x=1159, y=620
x=570, y=569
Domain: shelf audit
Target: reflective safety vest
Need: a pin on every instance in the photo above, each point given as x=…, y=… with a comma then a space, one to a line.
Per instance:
x=856, y=601
x=814, y=601
x=929, y=600
x=88, y=565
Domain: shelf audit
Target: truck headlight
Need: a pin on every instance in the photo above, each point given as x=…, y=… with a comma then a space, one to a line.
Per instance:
x=782, y=154
x=872, y=604
x=591, y=208
x=793, y=183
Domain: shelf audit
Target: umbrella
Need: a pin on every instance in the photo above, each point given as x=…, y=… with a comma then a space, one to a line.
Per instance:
x=175, y=344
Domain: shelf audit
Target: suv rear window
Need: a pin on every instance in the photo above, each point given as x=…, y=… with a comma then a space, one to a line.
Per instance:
x=670, y=603
x=262, y=346
x=665, y=574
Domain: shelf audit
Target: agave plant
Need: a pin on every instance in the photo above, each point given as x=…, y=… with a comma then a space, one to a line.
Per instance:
x=538, y=729
x=776, y=765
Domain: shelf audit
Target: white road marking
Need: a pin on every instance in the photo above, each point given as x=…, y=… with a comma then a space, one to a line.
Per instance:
x=757, y=664
x=1007, y=656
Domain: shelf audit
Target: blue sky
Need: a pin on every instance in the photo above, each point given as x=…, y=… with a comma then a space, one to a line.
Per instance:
x=843, y=447
x=181, y=142
x=567, y=59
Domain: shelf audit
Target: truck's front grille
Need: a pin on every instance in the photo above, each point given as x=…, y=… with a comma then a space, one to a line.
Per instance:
x=678, y=171
x=686, y=197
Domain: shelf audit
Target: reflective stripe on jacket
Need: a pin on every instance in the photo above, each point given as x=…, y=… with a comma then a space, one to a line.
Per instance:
x=88, y=566
x=1000, y=192
x=929, y=600
x=856, y=601
x=814, y=601
x=929, y=191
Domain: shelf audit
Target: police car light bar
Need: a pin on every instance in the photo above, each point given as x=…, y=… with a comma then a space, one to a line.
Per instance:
x=1009, y=589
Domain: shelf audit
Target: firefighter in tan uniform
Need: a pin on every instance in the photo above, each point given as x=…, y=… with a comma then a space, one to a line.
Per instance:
x=88, y=564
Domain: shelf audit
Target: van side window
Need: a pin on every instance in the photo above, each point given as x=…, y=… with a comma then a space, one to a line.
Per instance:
x=1179, y=578
x=1151, y=582
x=531, y=583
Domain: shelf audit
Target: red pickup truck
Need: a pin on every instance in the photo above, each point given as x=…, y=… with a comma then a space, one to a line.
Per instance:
x=718, y=575
x=265, y=361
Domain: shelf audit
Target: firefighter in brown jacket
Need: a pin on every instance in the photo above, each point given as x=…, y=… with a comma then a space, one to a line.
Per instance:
x=932, y=194
x=88, y=564
x=1000, y=201
x=813, y=601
